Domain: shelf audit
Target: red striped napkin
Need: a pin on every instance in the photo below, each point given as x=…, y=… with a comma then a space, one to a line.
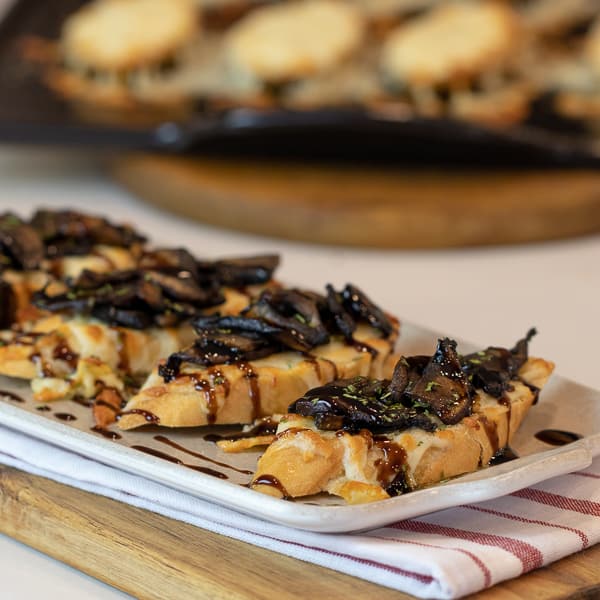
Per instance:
x=442, y=555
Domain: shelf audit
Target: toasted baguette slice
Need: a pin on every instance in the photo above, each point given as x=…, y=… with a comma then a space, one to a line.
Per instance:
x=239, y=393
x=25, y=283
x=58, y=354
x=304, y=460
x=49, y=351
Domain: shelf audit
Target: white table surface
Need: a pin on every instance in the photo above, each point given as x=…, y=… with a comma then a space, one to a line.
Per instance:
x=488, y=296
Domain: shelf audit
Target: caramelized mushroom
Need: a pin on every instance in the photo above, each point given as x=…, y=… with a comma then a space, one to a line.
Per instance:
x=493, y=368
x=443, y=387
x=132, y=298
x=424, y=392
x=237, y=272
x=20, y=246
x=294, y=314
x=280, y=319
x=362, y=307
x=342, y=319
x=66, y=232
x=359, y=403
x=176, y=261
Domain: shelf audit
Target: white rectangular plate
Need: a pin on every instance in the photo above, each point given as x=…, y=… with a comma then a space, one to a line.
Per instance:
x=563, y=405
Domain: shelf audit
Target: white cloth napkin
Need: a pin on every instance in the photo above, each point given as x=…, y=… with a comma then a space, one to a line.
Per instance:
x=442, y=555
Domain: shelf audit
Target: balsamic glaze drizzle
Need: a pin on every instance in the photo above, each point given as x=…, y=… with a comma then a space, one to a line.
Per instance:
x=11, y=396
x=175, y=460
x=165, y=440
x=557, y=437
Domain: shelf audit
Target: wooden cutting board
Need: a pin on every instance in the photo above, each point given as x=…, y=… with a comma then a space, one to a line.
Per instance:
x=370, y=206
x=156, y=558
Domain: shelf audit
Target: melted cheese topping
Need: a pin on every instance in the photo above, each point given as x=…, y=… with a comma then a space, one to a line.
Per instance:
x=454, y=40
x=294, y=39
x=116, y=35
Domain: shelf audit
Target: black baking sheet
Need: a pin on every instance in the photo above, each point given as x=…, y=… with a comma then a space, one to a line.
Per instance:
x=31, y=113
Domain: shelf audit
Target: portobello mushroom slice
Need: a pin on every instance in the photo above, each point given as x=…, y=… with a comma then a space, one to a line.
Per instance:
x=20, y=246
x=66, y=232
x=443, y=386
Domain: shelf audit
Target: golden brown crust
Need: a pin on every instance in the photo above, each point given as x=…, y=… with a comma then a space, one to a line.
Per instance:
x=353, y=472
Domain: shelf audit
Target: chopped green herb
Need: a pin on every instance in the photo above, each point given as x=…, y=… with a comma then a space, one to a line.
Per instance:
x=431, y=385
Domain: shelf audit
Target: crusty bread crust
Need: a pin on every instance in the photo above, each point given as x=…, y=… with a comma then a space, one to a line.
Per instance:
x=304, y=460
x=239, y=393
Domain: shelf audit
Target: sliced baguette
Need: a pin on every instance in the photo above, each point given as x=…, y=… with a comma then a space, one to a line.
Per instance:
x=304, y=460
x=239, y=393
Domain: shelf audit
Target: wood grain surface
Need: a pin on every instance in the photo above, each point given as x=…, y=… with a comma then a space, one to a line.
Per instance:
x=369, y=206
x=153, y=557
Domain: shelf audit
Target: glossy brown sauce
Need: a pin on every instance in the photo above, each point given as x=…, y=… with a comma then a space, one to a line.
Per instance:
x=362, y=347
x=65, y=416
x=271, y=481
x=504, y=455
x=218, y=378
x=175, y=460
x=165, y=440
x=123, y=356
x=557, y=437
x=393, y=461
x=11, y=396
x=63, y=352
x=392, y=473
x=87, y=402
x=150, y=417
x=491, y=430
x=44, y=367
x=314, y=362
x=99, y=402
x=111, y=435
x=253, y=389
x=203, y=385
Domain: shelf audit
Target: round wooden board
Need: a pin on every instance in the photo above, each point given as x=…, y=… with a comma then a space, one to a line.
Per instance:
x=370, y=206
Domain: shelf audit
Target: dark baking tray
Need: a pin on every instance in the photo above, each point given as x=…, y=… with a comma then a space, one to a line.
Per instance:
x=31, y=113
